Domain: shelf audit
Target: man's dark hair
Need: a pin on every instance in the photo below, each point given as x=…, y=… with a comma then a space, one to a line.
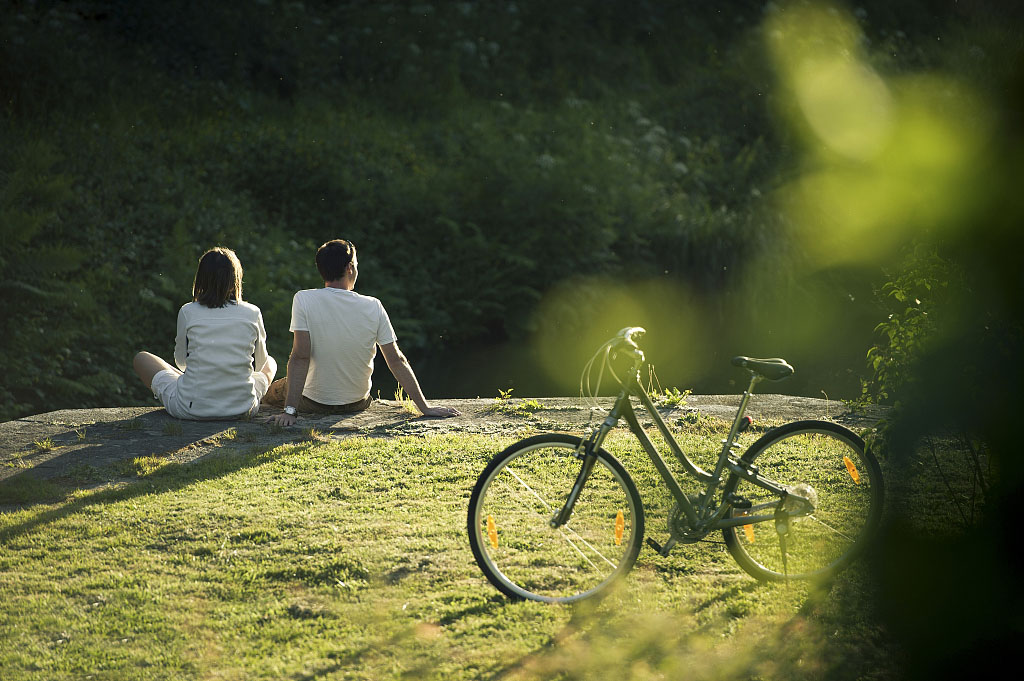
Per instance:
x=218, y=278
x=333, y=257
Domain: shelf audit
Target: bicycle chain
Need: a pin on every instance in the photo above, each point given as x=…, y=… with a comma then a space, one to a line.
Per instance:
x=679, y=525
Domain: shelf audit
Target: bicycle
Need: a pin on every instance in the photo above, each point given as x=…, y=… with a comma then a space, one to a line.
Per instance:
x=557, y=518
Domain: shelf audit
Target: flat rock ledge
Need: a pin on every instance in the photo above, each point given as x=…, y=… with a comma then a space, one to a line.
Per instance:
x=80, y=445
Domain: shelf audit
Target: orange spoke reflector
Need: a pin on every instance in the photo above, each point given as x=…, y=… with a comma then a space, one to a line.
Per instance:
x=620, y=527
x=852, y=469
x=492, y=532
x=748, y=530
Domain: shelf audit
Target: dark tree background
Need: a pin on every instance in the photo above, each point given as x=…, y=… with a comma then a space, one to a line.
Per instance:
x=503, y=167
x=522, y=179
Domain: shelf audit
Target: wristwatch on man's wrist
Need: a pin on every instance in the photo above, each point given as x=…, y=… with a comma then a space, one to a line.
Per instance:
x=291, y=411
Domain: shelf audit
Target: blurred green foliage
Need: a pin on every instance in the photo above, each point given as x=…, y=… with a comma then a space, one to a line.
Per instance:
x=916, y=297
x=915, y=173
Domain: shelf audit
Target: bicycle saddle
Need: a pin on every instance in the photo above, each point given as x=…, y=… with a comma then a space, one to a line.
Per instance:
x=773, y=368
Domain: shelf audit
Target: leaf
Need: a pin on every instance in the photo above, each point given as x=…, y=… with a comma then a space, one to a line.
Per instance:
x=27, y=288
x=18, y=227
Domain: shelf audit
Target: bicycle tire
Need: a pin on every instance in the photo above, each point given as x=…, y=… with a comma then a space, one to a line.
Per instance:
x=847, y=482
x=516, y=496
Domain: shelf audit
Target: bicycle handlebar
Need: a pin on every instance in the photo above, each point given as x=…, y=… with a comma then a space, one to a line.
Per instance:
x=624, y=343
x=627, y=335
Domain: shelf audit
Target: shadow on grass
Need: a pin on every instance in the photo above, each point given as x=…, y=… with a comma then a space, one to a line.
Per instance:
x=167, y=478
x=728, y=595
x=80, y=457
x=489, y=607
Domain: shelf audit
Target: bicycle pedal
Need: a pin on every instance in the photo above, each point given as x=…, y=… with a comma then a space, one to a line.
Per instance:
x=662, y=550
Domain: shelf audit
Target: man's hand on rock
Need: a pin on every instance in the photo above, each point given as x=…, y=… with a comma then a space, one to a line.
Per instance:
x=283, y=419
x=443, y=412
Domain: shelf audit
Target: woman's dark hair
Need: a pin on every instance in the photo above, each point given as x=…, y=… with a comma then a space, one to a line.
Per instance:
x=333, y=257
x=218, y=279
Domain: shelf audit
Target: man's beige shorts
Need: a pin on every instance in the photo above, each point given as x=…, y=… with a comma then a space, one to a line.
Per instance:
x=279, y=390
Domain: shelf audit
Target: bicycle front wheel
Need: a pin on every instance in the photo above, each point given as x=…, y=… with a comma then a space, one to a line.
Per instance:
x=830, y=466
x=515, y=499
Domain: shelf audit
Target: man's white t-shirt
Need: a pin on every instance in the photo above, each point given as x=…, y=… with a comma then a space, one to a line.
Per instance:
x=344, y=331
x=221, y=351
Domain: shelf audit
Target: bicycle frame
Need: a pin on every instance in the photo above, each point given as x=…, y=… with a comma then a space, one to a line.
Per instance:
x=702, y=516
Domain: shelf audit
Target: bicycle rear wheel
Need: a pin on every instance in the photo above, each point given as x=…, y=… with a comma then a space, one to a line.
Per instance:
x=818, y=460
x=513, y=502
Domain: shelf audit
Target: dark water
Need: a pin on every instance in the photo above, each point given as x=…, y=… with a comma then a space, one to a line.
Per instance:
x=481, y=371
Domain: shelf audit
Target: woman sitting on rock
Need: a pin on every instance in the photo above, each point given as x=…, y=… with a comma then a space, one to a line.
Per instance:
x=220, y=349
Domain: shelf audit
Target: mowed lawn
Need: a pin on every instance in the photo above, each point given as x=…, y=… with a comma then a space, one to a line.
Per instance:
x=348, y=559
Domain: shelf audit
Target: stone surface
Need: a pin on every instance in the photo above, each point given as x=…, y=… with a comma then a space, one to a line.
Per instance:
x=84, y=444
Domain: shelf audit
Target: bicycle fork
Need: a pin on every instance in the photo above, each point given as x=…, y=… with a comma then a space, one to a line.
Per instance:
x=589, y=449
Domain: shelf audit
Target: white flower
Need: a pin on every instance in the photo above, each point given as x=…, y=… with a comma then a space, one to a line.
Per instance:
x=546, y=161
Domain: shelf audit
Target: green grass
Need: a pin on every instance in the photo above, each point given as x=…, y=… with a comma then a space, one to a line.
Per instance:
x=24, y=490
x=504, y=404
x=670, y=397
x=172, y=428
x=405, y=401
x=141, y=466
x=349, y=559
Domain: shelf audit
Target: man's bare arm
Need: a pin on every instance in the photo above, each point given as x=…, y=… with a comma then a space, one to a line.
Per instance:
x=403, y=373
x=298, y=367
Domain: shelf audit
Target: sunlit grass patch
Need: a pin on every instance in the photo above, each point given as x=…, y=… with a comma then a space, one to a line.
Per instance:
x=520, y=408
x=505, y=404
x=405, y=401
x=349, y=557
x=670, y=397
x=17, y=459
x=141, y=466
x=698, y=421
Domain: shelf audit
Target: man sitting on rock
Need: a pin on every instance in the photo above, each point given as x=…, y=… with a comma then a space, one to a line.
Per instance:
x=336, y=334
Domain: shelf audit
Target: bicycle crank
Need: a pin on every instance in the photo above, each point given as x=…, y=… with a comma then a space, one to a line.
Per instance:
x=679, y=525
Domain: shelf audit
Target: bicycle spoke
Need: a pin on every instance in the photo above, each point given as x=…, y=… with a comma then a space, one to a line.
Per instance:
x=528, y=488
x=591, y=547
x=828, y=465
x=522, y=489
x=585, y=557
x=829, y=527
x=565, y=527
